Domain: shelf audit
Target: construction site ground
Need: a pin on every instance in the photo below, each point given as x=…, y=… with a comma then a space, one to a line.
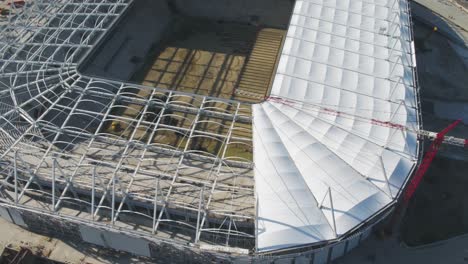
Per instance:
x=442, y=196
x=64, y=251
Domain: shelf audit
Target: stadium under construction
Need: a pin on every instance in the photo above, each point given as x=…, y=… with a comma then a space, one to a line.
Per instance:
x=208, y=130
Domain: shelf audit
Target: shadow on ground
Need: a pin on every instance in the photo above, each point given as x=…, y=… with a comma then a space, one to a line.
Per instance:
x=439, y=209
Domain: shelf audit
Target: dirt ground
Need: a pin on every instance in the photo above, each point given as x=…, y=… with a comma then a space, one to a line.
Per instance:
x=14, y=236
x=439, y=209
x=442, y=73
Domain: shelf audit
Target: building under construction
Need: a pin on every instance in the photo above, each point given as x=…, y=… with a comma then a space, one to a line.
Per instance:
x=203, y=130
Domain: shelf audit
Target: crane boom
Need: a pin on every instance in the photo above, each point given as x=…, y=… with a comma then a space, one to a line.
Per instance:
x=449, y=140
x=426, y=162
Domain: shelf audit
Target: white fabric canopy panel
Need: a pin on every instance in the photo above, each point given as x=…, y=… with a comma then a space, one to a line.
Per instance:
x=324, y=163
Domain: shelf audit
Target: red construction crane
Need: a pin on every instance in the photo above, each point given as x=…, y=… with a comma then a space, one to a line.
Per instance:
x=427, y=160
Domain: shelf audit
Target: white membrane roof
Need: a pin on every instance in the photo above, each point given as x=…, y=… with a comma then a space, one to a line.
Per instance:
x=324, y=160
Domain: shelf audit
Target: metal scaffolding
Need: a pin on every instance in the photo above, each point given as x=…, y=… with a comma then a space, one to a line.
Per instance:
x=94, y=148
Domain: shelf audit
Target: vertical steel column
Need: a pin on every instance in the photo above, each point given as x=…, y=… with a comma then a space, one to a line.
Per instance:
x=386, y=177
x=155, y=206
x=229, y=230
x=333, y=210
x=93, y=190
x=16, y=176
x=113, y=199
x=53, y=184
x=256, y=222
x=200, y=205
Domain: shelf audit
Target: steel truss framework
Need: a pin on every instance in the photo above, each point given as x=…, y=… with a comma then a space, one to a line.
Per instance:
x=75, y=142
x=64, y=138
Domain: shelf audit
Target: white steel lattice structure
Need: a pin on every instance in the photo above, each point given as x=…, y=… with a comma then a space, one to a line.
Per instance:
x=321, y=169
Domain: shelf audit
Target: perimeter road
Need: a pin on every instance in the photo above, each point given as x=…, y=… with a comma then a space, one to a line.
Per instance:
x=453, y=13
x=375, y=251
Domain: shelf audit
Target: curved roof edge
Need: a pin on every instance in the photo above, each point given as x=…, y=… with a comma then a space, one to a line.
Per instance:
x=323, y=165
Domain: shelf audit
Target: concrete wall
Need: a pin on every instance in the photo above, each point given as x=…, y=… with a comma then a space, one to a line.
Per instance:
x=138, y=245
x=123, y=52
x=116, y=241
x=73, y=233
x=270, y=13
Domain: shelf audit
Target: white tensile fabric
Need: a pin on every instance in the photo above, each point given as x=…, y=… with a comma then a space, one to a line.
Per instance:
x=325, y=162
